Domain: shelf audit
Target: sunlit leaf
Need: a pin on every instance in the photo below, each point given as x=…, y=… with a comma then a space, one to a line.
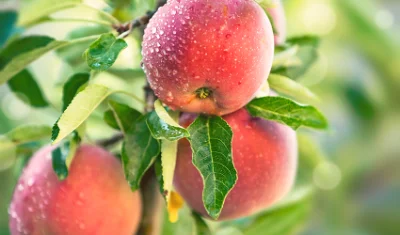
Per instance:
x=73, y=86
x=102, y=53
x=291, y=88
x=23, y=51
x=79, y=110
x=287, y=112
x=37, y=9
x=162, y=125
x=211, y=142
x=25, y=84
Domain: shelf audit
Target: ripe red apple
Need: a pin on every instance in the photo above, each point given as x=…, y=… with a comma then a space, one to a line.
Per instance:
x=208, y=56
x=265, y=157
x=277, y=13
x=94, y=199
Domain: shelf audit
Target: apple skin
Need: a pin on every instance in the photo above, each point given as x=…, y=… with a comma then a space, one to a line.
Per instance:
x=276, y=11
x=265, y=157
x=94, y=199
x=224, y=46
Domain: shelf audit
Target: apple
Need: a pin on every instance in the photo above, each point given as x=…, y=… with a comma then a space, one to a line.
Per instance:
x=208, y=56
x=95, y=198
x=277, y=13
x=264, y=155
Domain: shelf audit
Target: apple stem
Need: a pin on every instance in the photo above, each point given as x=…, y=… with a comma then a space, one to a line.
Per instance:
x=203, y=92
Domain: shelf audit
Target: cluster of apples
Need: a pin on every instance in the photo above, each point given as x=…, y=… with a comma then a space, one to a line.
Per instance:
x=200, y=56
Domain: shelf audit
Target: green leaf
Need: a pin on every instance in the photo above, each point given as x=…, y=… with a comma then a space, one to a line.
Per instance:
x=8, y=19
x=21, y=52
x=73, y=86
x=28, y=133
x=121, y=116
x=102, y=53
x=211, y=142
x=63, y=155
x=34, y=12
x=139, y=151
x=159, y=176
x=24, y=84
x=79, y=110
x=201, y=226
x=287, y=112
x=163, y=126
x=72, y=54
x=281, y=220
x=306, y=55
x=291, y=88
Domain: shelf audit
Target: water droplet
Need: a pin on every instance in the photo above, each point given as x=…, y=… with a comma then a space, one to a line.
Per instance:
x=173, y=12
x=20, y=187
x=30, y=209
x=154, y=30
x=31, y=181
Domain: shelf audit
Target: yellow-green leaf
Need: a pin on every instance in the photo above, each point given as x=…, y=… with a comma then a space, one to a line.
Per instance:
x=79, y=110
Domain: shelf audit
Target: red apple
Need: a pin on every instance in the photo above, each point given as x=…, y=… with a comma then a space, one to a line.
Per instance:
x=277, y=13
x=94, y=199
x=208, y=56
x=265, y=157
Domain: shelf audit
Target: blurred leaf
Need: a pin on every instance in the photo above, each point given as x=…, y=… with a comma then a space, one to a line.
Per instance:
x=28, y=133
x=201, y=226
x=37, y=9
x=72, y=54
x=211, y=142
x=8, y=153
x=79, y=110
x=127, y=74
x=73, y=87
x=121, y=116
x=359, y=101
x=184, y=226
x=24, y=83
x=18, y=136
x=102, y=53
x=287, y=112
x=162, y=126
x=8, y=19
x=63, y=155
x=306, y=54
x=282, y=220
x=21, y=52
x=139, y=152
x=287, y=86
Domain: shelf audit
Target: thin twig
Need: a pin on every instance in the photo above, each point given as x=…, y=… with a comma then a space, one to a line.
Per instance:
x=110, y=141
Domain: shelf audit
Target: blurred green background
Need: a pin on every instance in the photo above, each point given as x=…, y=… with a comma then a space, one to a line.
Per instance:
x=357, y=77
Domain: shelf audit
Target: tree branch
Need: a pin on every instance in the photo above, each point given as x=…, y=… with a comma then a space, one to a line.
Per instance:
x=125, y=29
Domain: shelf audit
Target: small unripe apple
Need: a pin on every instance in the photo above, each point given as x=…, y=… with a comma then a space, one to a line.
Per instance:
x=208, y=56
x=94, y=199
x=265, y=157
